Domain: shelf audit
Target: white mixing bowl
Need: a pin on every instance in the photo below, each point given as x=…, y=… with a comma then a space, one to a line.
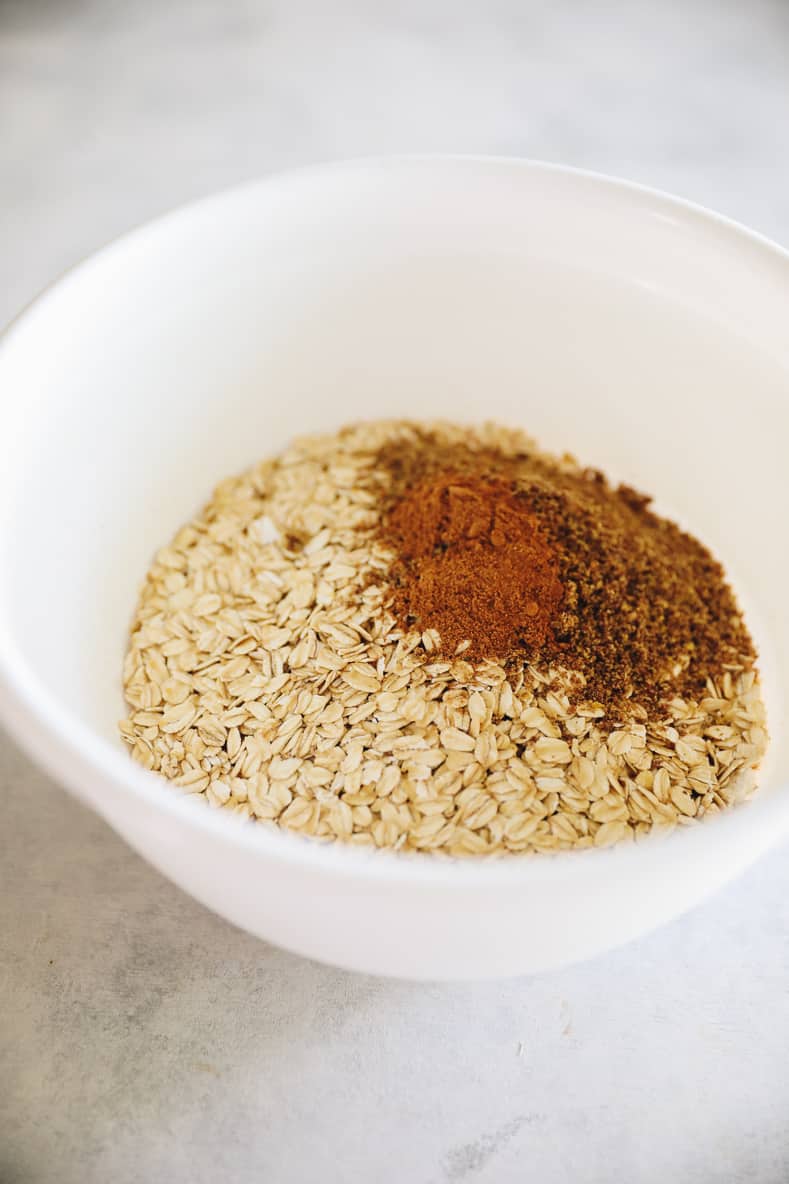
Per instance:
x=649, y=337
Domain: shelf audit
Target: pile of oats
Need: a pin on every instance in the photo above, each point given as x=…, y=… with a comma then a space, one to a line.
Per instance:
x=265, y=673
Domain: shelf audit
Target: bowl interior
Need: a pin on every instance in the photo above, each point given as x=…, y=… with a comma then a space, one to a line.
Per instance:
x=644, y=336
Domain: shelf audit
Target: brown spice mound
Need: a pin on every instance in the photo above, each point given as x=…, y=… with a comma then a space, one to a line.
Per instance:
x=475, y=564
x=530, y=560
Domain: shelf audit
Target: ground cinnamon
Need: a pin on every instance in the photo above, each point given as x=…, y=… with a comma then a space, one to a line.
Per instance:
x=474, y=564
x=520, y=559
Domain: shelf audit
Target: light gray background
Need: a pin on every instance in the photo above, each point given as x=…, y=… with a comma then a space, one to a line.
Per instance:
x=141, y=1038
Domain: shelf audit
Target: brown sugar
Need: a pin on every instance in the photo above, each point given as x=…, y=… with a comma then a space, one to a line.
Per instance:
x=521, y=560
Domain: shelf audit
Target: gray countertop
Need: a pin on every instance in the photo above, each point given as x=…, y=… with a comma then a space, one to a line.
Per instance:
x=142, y=1038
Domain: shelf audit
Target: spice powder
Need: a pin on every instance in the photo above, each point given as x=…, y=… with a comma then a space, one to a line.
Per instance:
x=549, y=563
x=474, y=564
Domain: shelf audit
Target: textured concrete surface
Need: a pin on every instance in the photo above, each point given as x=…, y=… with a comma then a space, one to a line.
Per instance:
x=141, y=1038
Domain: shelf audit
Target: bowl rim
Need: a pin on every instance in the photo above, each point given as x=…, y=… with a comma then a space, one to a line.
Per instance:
x=31, y=712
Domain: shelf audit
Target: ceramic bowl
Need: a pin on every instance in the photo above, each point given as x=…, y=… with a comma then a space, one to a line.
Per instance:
x=647, y=336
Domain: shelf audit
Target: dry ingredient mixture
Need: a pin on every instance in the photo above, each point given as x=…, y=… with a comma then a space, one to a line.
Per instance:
x=439, y=638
